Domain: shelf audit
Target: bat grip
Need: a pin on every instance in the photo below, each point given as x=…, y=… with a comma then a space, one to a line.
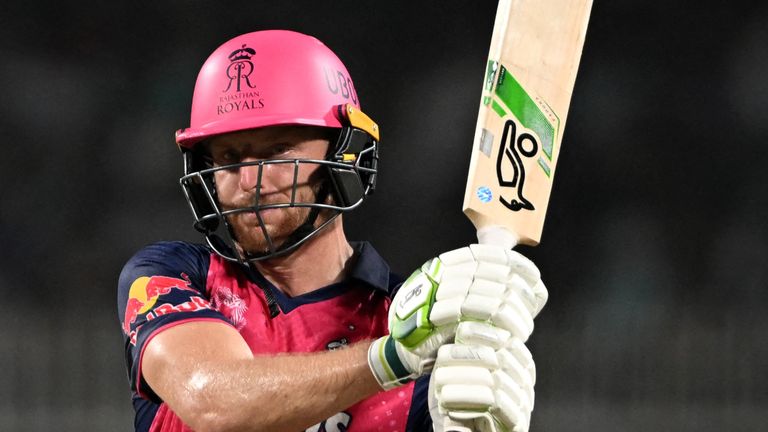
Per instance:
x=497, y=235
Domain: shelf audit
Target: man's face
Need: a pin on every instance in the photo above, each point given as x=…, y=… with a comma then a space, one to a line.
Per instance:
x=237, y=187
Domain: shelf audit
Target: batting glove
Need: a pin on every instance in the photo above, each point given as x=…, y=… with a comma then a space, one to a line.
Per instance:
x=482, y=388
x=484, y=383
x=477, y=283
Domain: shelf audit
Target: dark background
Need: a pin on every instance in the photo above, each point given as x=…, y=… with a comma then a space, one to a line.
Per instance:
x=655, y=249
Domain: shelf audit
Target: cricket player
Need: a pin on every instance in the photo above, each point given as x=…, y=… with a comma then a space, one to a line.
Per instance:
x=277, y=322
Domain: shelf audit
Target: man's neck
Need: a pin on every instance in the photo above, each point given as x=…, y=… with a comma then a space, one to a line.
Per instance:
x=321, y=261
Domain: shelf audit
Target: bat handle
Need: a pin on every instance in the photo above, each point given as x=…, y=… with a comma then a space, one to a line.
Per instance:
x=497, y=235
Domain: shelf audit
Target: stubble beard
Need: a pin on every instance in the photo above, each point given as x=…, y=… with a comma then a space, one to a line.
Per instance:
x=250, y=235
x=279, y=223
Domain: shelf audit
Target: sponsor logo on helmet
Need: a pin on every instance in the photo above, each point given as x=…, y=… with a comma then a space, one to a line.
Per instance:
x=240, y=93
x=339, y=83
x=144, y=294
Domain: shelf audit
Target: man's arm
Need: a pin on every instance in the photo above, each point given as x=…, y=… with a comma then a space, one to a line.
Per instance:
x=207, y=375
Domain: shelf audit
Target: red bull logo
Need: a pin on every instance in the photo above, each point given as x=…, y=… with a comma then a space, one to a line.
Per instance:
x=144, y=293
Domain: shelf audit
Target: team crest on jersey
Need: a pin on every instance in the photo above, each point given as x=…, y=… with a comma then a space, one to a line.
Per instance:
x=231, y=305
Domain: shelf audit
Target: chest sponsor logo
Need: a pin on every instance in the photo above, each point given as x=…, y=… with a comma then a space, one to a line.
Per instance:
x=338, y=423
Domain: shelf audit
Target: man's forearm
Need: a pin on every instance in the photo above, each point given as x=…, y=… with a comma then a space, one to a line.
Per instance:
x=275, y=393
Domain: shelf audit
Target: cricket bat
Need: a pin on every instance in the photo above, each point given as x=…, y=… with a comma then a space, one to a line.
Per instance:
x=529, y=78
x=532, y=64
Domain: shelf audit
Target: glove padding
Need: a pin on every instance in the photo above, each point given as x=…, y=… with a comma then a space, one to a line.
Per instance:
x=478, y=283
x=482, y=388
x=493, y=284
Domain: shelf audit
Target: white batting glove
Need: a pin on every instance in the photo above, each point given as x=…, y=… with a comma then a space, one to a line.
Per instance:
x=485, y=382
x=504, y=290
x=415, y=334
x=482, y=388
x=480, y=283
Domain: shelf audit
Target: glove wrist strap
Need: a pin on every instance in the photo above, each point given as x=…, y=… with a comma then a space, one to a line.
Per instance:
x=388, y=368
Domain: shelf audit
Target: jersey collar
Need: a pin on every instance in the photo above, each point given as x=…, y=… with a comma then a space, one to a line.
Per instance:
x=370, y=267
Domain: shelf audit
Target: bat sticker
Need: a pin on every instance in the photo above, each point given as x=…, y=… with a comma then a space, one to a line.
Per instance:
x=485, y=194
x=509, y=165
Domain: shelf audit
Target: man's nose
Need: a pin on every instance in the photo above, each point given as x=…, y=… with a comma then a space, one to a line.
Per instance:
x=250, y=175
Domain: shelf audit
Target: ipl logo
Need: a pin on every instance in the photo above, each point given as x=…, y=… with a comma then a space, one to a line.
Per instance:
x=513, y=149
x=240, y=68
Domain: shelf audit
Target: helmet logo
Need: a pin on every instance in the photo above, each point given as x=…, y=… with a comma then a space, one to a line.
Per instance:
x=339, y=83
x=239, y=71
x=240, y=68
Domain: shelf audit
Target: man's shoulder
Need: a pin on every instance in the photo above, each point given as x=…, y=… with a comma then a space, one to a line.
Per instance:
x=170, y=257
x=170, y=263
x=165, y=249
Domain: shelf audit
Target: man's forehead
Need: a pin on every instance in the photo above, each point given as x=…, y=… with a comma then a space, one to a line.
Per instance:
x=282, y=133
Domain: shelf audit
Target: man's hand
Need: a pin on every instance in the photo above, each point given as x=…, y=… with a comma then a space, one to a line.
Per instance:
x=478, y=283
x=482, y=388
x=484, y=383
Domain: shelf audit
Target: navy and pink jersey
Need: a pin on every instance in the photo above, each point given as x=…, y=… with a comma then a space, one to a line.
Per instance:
x=170, y=283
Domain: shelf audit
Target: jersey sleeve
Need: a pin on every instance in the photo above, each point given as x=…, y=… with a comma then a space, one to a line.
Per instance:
x=161, y=286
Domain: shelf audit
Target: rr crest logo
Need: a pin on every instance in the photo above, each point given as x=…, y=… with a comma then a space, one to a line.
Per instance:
x=240, y=68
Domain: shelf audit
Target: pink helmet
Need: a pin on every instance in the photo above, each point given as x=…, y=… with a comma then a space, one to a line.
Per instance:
x=265, y=78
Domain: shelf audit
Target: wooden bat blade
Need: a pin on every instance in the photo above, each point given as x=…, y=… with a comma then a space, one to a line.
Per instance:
x=532, y=64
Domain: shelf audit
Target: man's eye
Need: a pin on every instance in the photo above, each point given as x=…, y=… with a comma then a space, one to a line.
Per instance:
x=228, y=157
x=280, y=149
